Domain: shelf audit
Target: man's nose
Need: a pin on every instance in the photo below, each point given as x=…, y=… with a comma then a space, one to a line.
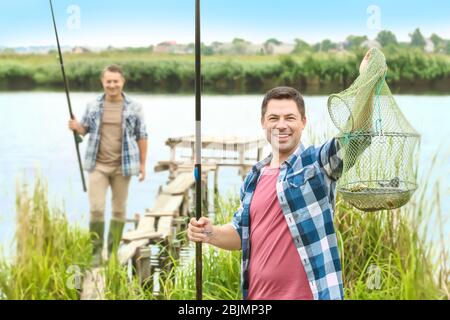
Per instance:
x=281, y=124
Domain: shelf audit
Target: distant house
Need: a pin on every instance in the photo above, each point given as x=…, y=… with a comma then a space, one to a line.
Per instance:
x=342, y=45
x=170, y=47
x=236, y=48
x=429, y=45
x=164, y=47
x=222, y=48
x=189, y=49
x=216, y=45
x=254, y=49
x=79, y=50
x=371, y=44
x=283, y=48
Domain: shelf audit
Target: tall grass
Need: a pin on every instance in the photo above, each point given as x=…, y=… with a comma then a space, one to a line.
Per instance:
x=49, y=251
x=220, y=272
x=385, y=255
x=119, y=286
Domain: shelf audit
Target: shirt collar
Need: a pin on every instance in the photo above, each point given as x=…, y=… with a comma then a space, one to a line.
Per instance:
x=293, y=157
x=101, y=98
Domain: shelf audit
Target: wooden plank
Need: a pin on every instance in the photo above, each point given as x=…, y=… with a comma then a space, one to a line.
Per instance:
x=161, y=167
x=167, y=202
x=93, y=285
x=180, y=184
x=160, y=213
x=215, y=161
x=138, y=238
x=146, y=224
x=165, y=226
x=179, y=166
x=164, y=230
x=189, y=167
x=164, y=165
x=212, y=142
x=127, y=251
x=140, y=235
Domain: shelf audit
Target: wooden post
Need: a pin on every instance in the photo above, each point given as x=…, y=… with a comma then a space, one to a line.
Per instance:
x=137, y=217
x=216, y=182
x=94, y=285
x=172, y=164
x=185, y=204
x=142, y=263
x=205, y=192
x=241, y=163
x=172, y=153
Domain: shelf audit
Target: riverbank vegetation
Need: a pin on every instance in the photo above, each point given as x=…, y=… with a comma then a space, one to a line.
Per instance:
x=410, y=70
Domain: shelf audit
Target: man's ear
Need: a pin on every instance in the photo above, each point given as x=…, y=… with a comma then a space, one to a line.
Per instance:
x=304, y=122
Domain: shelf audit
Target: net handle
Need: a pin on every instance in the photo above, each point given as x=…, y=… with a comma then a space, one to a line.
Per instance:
x=331, y=113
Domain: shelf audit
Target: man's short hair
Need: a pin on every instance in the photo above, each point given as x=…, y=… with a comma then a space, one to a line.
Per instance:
x=280, y=93
x=113, y=68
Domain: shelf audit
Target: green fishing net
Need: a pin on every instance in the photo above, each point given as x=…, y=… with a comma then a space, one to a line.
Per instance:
x=378, y=144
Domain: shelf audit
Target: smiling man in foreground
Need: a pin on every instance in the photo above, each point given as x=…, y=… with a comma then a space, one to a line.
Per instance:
x=284, y=225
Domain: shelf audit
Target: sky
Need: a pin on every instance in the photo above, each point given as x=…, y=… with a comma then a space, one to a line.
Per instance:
x=100, y=23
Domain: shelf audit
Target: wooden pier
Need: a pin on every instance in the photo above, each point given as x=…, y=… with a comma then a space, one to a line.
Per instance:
x=161, y=224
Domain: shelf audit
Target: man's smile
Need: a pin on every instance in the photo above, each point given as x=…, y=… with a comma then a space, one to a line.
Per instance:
x=283, y=136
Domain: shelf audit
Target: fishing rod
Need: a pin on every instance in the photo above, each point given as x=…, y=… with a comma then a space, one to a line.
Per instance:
x=198, y=150
x=76, y=136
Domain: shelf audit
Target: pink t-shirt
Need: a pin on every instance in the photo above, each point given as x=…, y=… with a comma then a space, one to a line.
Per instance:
x=275, y=271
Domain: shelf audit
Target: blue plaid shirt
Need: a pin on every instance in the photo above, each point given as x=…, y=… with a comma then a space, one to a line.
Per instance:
x=306, y=191
x=133, y=129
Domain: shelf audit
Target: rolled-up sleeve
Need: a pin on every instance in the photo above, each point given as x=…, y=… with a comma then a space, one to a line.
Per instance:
x=140, y=130
x=330, y=158
x=85, y=119
x=236, y=222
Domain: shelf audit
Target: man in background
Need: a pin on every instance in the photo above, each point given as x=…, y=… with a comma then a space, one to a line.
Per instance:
x=116, y=150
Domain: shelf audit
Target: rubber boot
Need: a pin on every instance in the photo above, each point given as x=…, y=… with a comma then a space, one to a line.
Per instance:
x=97, y=230
x=114, y=236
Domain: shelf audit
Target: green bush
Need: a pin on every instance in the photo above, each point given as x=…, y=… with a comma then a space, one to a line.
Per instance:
x=236, y=74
